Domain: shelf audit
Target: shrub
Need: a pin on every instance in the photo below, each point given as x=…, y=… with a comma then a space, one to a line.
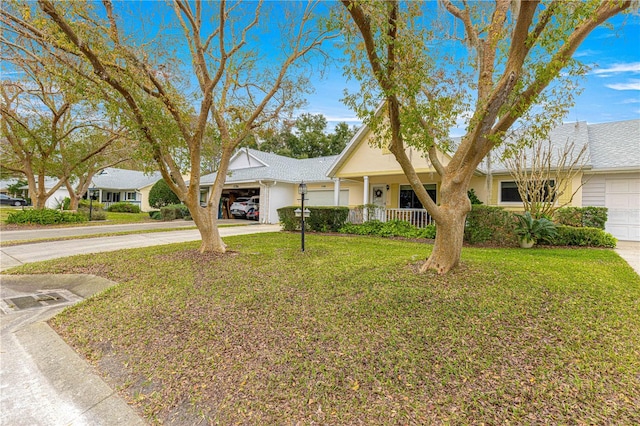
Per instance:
x=473, y=197
x=583, y=236
x=96, y=209
x=161, y=195
x=175, y=211
x=327, y=219
x=124, y=207
x=44, y=217
x=489, y=224
x=321, y=218
x=393, y=228
x=591, y=217
x=533, y=230
x=155, y=215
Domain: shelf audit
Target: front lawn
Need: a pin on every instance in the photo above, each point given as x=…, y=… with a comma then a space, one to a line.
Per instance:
x=348, y=333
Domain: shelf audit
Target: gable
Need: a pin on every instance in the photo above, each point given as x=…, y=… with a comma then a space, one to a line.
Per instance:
x=362, y=159
x=243, y=159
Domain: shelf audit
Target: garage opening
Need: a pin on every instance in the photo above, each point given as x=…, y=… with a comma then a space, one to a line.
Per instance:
x=241, y=203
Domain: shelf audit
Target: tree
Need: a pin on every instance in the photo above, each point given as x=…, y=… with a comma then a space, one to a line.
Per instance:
x=161, y=195
x=238, y=88
x=502, y=57
x=544, y=173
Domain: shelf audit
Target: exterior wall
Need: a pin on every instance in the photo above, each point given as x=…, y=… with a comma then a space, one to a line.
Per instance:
x=564, y=199
x=367, y=160
x=56, y=198
x=280, y=195
x=143, y=197
x=593, y=190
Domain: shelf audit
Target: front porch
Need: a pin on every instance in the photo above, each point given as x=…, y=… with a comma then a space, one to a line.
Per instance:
x=419, y=218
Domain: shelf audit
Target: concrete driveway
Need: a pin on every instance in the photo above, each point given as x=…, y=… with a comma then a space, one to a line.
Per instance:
x=630, y=251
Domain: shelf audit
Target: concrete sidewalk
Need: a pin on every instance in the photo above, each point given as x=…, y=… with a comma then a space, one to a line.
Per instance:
x=17, y=255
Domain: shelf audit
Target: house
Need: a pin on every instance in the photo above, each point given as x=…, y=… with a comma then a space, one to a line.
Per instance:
x=275, y=179
x=114, y=185
x=611, y=177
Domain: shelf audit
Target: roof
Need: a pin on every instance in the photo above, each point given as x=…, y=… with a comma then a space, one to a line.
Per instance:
x=121, y=179
x=615, y=145
x=274, y=167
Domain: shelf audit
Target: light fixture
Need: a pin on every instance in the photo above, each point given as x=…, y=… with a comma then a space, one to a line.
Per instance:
x=302, y=188
x=302, y=212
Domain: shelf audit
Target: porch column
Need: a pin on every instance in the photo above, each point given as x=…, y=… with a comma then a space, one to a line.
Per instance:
x=336, y=191
x=365, y=198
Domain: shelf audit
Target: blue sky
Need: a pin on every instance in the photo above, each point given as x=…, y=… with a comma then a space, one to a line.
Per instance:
x=611, y=89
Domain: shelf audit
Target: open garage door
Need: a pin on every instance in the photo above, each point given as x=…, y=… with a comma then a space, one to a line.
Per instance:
x=622, y=198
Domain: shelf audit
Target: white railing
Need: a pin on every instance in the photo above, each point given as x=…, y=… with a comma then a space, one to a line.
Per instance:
x=417, y=217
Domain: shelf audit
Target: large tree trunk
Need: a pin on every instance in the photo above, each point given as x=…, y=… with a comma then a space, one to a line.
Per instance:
x=205, y=219
x=452, y=214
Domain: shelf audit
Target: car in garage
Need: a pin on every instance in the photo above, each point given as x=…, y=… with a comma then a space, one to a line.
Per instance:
x=10, y=201
x=239, y=207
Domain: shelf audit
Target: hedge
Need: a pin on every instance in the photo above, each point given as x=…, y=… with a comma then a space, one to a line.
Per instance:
x=392, y=228
x=175, y=211
x=489, y=224
x=583, y=237
x=321, y=218
x=44, y=217
x=590, y=217
x=124, y=207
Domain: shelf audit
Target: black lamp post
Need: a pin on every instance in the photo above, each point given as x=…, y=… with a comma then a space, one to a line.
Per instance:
x=302, y=213
x=92, y=196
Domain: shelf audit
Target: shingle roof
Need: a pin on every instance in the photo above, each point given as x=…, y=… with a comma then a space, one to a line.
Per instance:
x=615, y=145
x=279, y=168
x=121, y=179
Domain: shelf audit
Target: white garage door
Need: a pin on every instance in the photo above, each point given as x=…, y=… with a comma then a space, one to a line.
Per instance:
x=325, y=198
x=622, y=198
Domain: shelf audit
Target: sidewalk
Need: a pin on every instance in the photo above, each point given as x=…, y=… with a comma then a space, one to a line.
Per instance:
x=42, y=380
x=17, y=255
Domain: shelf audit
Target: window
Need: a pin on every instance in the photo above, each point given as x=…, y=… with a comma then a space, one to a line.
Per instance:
x=131, y=196
x=409, y=200
x=509, y=191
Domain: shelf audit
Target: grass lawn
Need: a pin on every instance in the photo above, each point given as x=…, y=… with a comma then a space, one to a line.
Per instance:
x=113, y=218
x=348, y=333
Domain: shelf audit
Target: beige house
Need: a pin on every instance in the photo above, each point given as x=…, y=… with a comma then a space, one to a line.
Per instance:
x=611, y=177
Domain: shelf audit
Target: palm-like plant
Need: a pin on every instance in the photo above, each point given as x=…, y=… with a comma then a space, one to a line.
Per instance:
x=532, y=230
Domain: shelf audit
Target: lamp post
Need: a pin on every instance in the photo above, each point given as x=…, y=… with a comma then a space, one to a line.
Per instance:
x=302, y=213
x=92, y=196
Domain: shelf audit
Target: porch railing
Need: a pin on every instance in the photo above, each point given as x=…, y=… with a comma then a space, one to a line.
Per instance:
x=419, y=218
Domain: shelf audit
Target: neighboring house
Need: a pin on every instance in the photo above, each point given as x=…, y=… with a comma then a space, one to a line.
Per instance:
x=119, y=185
x=6, y=183
x=275, y=179
x=56, y=199
x=611, y=177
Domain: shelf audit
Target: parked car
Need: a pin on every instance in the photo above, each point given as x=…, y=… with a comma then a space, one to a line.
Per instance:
x=254, y=214
x=10, y=201
x=239, y=207
x=254, y=203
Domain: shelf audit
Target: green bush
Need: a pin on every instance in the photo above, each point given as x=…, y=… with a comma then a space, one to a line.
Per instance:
x=96, y=209
x=392, y=228
x=321, y=218
x=590, y=217
x=44, y=217
x=490, y=224
x=155, y=215
x=161, y=195
x=583, y=236
x=327, y=219
x=124, y=207
x=175, y=211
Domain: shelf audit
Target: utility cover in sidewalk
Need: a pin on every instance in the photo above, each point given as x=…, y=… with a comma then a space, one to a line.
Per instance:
x=41, y=299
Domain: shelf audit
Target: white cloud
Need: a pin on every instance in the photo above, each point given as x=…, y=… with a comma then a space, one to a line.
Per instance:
x=632, y=67
x=631, y=101
x=630, y=85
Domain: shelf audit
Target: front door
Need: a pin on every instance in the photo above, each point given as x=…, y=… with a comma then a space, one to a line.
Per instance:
x=379, y=199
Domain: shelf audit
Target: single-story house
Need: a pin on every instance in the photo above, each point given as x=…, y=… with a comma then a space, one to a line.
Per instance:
x=610, y=178
x=275, y=179
x=119, y=185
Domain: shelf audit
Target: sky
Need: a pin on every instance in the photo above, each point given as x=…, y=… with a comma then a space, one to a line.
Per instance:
x=611, y=88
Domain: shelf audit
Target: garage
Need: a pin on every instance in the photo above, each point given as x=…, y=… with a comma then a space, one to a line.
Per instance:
x=325, y=198
x=622, y=198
